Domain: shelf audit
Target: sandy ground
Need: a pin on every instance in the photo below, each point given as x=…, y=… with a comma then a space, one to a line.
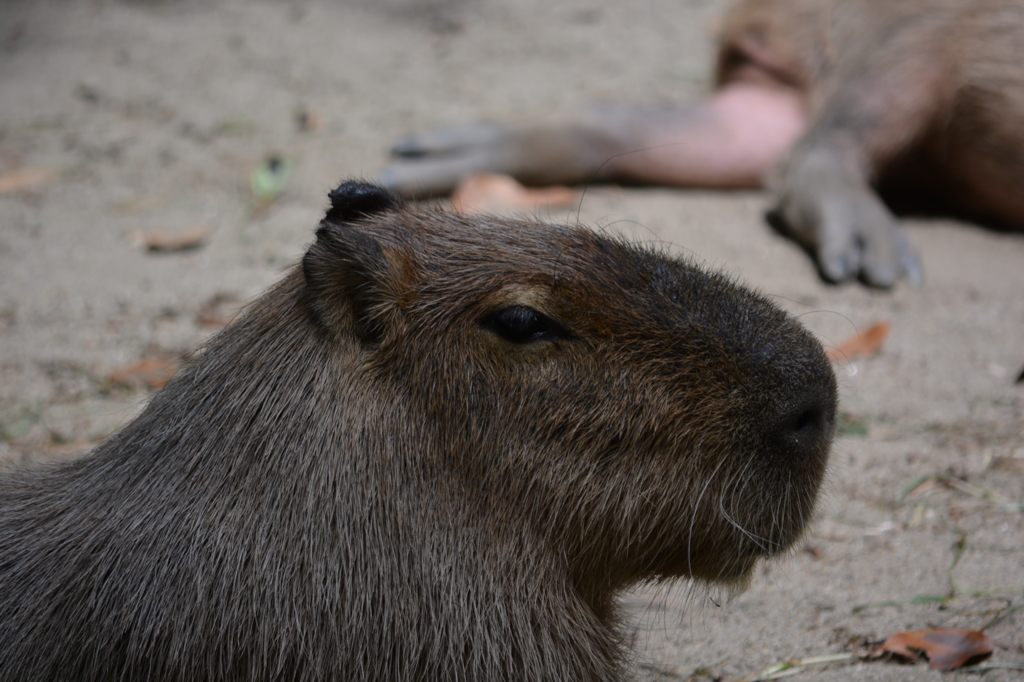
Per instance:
x=153, y=114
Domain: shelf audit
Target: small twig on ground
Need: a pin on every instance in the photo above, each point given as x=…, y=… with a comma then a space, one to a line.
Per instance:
x=976, y=491
x=1015, y=605
x=781, y=670
x=939, y=599
x=958, y=551
x=789, y=668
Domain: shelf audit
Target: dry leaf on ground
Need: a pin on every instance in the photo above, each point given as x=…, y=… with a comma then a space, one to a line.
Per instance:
x=25, y=179
x=191, y=238
x=863, y=345
x=945, y=648
x=493, y=192
x=151, y=372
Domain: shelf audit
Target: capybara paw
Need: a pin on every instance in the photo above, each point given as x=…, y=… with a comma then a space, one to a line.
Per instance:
x=423, y=179
x=432, y=163
x=844, y=224
x=859, y=238
x=887, y=258
x=448, y=141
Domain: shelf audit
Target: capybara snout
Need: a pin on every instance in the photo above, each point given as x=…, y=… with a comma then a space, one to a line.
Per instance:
x=436, y=450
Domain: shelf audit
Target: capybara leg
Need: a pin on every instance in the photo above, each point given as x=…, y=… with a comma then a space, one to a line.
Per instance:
x=730, y=140
x=432, y=163
x=558, y=150
x=880, y=103
x=826, y=204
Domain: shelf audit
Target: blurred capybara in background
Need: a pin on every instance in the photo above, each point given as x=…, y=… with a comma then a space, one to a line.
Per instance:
x=925, y=96
x=435, y=451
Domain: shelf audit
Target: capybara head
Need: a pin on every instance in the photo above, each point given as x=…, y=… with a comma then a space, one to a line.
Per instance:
x=436, y=450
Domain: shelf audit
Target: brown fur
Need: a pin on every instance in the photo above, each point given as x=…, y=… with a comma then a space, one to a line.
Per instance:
x=371, y=477
x=938, y=78
x=922, y=96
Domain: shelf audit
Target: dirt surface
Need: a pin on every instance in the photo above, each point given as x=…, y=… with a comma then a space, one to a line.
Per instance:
x=149, y=117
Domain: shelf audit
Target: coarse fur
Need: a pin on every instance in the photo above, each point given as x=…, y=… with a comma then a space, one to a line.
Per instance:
x=381, y=473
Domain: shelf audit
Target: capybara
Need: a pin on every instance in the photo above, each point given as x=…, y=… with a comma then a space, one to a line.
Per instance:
x=921, y=97
x=435, y=451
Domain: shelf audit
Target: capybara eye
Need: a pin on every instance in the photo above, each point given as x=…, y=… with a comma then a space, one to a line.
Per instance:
x=520, y=324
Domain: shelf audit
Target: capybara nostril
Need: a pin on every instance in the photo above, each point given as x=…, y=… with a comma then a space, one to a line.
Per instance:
x=804, y=400
x=808, y=421
x=803, y=428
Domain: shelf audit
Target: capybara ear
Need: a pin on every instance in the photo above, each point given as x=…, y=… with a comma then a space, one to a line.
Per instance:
x=346, y=268
x=354, y=200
